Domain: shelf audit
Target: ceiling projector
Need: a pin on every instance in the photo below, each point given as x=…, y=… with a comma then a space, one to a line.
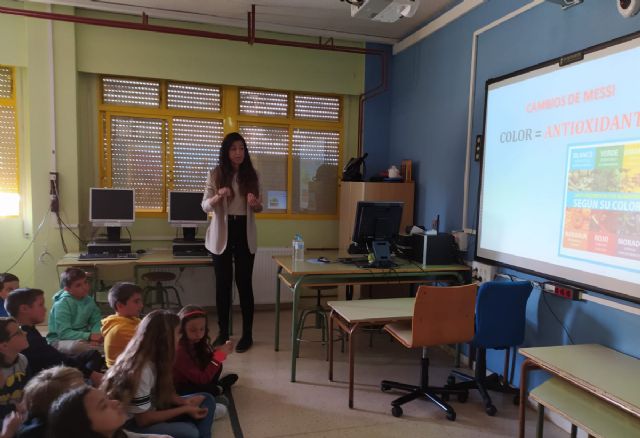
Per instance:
x=386, y=11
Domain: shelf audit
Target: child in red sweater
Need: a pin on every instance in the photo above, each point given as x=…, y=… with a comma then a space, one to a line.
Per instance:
x=198, y=366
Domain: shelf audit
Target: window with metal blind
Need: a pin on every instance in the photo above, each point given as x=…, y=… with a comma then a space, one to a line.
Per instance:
x=264, y=103
x=196, y=145
x=9, y=189
x=315, y=170
x=137, y=159
x=297, y=162
x=162, y=135
x=158, y=147
x=131, y=92
x=316, y=107
x=193, y=97
x=269, y=151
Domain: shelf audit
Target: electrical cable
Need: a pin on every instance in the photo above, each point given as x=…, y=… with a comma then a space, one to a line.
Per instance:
x=539, y=285
x=84, y=242
x=33, y=239
x=64, y=244
x=544, y=298
x=61, y=221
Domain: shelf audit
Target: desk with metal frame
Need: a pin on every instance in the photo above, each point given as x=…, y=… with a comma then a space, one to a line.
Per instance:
x=601, y=371
x=297, y=275
x=350, y=315
x=152, y=259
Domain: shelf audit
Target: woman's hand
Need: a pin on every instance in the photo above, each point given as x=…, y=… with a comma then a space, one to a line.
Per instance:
x=222, y=193
x=254, y=202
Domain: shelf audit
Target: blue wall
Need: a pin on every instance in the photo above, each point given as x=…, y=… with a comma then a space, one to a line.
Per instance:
x=377, y=111
x=428, y=120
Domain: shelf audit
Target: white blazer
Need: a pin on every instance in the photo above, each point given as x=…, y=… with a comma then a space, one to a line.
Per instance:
x=216, y=238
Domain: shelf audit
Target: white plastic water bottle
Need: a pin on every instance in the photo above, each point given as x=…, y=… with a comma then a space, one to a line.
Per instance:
x=298, y=248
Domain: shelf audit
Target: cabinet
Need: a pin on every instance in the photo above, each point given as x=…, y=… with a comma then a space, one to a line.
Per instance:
x=352, y=192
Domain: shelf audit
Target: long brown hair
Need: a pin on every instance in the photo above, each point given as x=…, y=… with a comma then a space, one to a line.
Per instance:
x=200, y=352
x=223, y=173
x=154, y=343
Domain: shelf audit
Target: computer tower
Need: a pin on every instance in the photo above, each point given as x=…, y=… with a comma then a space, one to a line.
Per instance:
x=439, y=249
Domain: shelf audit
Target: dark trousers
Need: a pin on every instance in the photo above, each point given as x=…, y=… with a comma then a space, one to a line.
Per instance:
x=192, y=388
x=236, y=255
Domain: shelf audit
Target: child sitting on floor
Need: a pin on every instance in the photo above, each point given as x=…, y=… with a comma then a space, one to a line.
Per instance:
x=74, y=321
x=141, y=380
x=27, y=307
x=126, y=300
x=8, y=282
x=198, y=366
x=40, y=393
x=86, y=412
x=13, y=365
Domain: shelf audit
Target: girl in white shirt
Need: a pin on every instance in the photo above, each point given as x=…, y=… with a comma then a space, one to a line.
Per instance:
x=142, y=380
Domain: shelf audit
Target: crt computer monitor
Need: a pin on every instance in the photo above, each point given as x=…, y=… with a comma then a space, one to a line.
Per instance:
x=185, y=211
x=112, y=208
x=376, y=227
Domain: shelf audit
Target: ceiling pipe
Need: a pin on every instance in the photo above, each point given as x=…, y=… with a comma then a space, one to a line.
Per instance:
x=250, y=39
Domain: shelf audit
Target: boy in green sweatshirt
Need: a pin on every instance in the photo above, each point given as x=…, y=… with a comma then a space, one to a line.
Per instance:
x=74, y=320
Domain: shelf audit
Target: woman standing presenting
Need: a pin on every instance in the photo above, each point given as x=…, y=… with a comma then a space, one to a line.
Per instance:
x=232, y=194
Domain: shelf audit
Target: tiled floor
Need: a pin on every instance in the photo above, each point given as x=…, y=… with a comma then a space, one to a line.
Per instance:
x=270, y=406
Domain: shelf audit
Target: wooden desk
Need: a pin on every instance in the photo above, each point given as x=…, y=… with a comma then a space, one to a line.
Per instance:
x=297, y=275
x=152, y=259
x=350, y=315
x=601, y=371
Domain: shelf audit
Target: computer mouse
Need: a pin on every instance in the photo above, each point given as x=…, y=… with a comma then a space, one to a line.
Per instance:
x=324, y=260
x=140, y=251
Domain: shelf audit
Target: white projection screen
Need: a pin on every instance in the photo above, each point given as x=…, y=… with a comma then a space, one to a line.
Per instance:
x=560, y=179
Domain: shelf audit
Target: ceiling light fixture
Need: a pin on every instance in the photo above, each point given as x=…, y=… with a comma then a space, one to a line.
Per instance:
x=387, y=11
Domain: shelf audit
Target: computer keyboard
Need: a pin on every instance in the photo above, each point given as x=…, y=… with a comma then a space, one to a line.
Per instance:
x=108, y=256
x=353, y=260
x=379, y=264
x=190, y=254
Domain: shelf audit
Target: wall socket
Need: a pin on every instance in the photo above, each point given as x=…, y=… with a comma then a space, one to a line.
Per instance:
x=484, y=272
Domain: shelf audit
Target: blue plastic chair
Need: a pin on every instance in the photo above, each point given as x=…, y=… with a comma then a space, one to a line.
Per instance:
x=500, y=325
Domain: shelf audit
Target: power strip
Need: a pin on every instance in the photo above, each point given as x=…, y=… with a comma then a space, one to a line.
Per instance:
x=563, y=291
x=483, y=272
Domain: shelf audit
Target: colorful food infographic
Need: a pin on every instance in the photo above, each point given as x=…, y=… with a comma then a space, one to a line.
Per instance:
x=602, y=202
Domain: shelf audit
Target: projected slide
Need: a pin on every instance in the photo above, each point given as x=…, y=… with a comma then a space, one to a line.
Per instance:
x=560, y=189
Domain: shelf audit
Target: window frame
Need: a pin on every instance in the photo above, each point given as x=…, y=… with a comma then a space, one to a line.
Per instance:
x=231, y=119
x=292, y=123
x=12, y=102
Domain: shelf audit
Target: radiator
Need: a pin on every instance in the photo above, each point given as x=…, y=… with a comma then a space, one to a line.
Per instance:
x=264, y=276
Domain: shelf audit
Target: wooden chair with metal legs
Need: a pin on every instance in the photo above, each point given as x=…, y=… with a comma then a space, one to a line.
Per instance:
x=441, y=315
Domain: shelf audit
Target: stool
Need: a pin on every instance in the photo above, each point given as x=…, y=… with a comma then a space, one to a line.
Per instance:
x=321, y=321
x=156, y=284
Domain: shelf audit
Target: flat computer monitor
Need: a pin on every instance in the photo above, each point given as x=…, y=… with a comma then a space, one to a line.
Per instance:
x=112, y=208
x=186, y=212
x=376, y=228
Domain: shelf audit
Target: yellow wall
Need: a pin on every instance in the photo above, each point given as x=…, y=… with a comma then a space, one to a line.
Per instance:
x=81, y=52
